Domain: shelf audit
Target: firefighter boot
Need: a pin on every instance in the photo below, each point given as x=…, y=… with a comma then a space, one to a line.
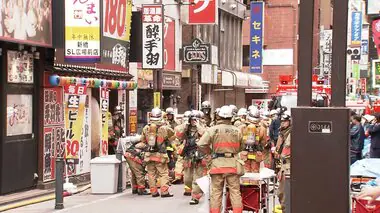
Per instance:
x=143, y=192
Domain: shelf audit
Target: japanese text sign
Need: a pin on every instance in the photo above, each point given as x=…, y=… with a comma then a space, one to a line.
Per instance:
x=256, y=37
x=116, y=33
x=356, y=28
x=169, y=44
x=152, y=41
x=363, y=85
x=376, y=73
x=82, y=30
x=203, y=12
x=75, y=100
x=376, y=34
x=104, y=106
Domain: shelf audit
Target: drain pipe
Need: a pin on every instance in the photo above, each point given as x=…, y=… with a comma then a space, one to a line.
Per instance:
x=295, y=32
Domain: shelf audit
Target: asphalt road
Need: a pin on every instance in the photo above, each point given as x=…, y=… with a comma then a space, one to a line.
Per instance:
x=122, y=202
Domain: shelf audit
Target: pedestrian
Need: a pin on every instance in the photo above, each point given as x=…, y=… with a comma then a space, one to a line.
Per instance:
x=357, y=139
x=224, y=141
x=374, y=131
x=282, y=154
x=194, y=164
x=156, y=135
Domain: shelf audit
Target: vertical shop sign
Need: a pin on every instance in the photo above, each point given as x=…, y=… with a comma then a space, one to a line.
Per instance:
x=169, y=44
x=356, y=28
x=104, y=106
x=203, y=12
x=116, y=32
x=133, y=104
x=156, y=100
x=82, y=30
x=75, y=99
x=133, y=121
x=376, y=73
x=256, y=37
x=326, y=52
x=85, y=146
x=53, y=132
x=152, y=41
x=363, y=85
x=376, y=34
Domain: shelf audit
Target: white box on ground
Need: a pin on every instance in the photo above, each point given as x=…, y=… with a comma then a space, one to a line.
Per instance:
x=104, y=175
x=124, y=170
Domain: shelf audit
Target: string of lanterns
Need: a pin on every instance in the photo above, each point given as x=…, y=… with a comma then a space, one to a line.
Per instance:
x=56, y=80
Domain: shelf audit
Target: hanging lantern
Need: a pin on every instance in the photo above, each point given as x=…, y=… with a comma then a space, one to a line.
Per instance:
x=97, y=83
x=117, y=84
x=83, y=81
x=135, y=85
x=54, y=80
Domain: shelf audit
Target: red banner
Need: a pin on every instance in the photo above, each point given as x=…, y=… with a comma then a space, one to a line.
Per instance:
x=203, y=12
x=376, y=34
x=169, y=44
x=363, y=85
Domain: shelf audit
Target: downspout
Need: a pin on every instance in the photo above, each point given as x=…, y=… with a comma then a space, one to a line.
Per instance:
x=295, y=33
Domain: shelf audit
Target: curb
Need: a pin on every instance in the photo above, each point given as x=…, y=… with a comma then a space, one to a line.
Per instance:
x=39, y=199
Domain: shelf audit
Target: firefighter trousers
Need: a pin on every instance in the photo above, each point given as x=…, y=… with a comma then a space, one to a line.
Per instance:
x=192, y=172
x=138, y=174
x=233, y=184
x=159, y=171
x=283, y=193
x=178, y=171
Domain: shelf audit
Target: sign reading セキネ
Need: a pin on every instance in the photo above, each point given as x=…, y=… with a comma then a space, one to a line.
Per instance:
x=197, y=52
x=75, y=100
x=256, y=37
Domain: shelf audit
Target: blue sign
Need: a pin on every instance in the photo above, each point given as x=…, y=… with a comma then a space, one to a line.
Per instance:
x=256, y=37
x=356, y=28
x=364, y=47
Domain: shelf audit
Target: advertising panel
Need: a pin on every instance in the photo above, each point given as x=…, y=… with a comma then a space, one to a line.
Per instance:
x=169, y=44
x=104, y=106
x=256, y=37
x=19, y=114
x=203, y=12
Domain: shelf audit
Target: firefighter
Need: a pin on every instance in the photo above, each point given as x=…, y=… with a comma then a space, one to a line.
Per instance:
x=282, y=154
x=254, y=137
x=206, y=109
x=178, y=171
x=157, y=136
x=170, y=119
x=115, y=129
x=134, y=156
x=216, y=117
x=241, y=116
x=226, y=142
x=195, y=164
x=267, y=145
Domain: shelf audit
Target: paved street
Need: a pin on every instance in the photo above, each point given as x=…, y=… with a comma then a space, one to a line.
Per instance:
x=124, y=202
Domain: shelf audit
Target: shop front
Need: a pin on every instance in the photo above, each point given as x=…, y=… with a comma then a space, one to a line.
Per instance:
x=145, y=82
x=171, y=83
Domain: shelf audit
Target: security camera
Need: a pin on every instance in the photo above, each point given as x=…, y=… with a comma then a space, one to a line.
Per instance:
x=233, y=6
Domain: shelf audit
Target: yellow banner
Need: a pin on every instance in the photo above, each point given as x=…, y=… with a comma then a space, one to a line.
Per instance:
x=75, y=99
x=157, y=100
x=104, y=106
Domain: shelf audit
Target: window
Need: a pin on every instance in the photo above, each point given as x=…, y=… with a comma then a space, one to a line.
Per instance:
x=245, y=55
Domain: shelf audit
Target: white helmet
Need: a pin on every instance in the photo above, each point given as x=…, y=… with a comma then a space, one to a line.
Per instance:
x=156, y=114
x=186, y=114
x=242, y=112
x=225, y=112
x=286, y=116
x=170, y=111
x=252, y=117
x=217, y=110
x=265, y=115
x=252, y=107
x=273, y=112
x=205, y=105
x=201, y=114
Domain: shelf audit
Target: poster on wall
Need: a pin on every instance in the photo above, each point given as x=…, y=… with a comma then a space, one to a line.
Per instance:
x=82, y=31
x=152, y=37
x=376, y=73
x=19, y=114
x=26, y=23
x=116, y=34
x=85, y=146
x=104, y=106
x=54, y=130
x=20, y=67
x=75, y=100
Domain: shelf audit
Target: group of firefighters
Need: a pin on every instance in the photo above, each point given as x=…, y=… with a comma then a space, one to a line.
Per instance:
x=225, y=146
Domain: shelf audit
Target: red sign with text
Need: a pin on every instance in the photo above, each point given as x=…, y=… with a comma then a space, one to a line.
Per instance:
x=169, y=44
x=203, y=12
x=363, y=85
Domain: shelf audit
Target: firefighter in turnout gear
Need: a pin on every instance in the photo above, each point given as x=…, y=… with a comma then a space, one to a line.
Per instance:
x=206, y=109
x=170, y=119
x=216, y=117
x=172, y=123
x=282, y=155
x=134, y=156
x=241, y=117
x=195, y=164
x=157, y=136
x=255, y=138
x=224, y=142
x=178, y=171
x=267, y=144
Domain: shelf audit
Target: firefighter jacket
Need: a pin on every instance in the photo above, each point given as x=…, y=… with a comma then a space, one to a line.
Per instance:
x=223, y=141
x=172, y=123
x=184, y=130
x=157, y=136
x=283, y=149
x=136, y=152
x=254, y=139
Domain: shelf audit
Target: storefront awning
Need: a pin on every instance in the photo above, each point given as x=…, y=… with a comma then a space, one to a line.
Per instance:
x=252, y=83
